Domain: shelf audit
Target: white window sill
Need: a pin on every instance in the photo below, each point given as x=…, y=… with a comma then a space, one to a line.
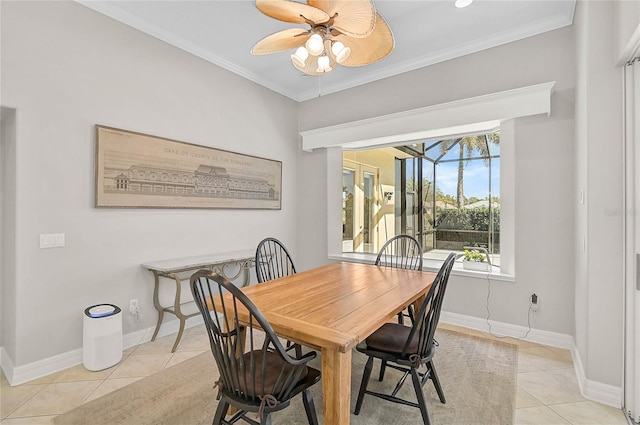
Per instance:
x=431, y=266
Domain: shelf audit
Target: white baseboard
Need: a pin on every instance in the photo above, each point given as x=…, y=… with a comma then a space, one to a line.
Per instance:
x=6, y=360
x=551, y=339
x=17, y=375
x=592, y=390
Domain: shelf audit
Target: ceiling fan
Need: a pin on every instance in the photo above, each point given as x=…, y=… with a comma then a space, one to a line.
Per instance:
x=343, y=32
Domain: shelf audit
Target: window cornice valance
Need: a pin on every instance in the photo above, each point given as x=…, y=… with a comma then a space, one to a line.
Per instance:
x=466, y=116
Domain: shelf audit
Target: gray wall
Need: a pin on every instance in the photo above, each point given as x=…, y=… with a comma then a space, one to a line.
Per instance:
x=599, y=172
x=66, y=68
x=7, y=229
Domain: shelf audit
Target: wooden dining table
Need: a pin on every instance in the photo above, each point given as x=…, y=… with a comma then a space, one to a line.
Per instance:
x=331, y=309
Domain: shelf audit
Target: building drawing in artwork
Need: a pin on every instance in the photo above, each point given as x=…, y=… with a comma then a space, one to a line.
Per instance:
x=205, y=181
x=135, y=170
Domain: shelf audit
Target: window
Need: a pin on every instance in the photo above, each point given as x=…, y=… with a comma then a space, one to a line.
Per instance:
x=445, y=193
x=475, y=115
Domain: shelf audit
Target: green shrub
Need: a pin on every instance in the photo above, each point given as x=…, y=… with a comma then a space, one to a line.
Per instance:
x=466, y=219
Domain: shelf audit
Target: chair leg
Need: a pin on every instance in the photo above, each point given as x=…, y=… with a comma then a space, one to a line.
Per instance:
x=417, y=386
x=383, y=367
x=436, y=382
x=298, y=349
x=266, y=420
x=363, y=385
x=221, y=412
x=401, y=318
x=309, y=407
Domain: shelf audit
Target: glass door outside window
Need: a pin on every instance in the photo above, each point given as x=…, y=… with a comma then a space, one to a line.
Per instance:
x=359, y=207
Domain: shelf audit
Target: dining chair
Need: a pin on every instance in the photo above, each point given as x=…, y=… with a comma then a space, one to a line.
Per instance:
x=261, y=380
x=408, y=348
x=273, y=261
x=402, y=252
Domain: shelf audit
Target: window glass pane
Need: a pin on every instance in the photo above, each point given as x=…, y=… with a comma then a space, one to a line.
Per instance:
x=495, y=204
x=494, y=149
x=368, y=228
x=448, y=151
x=462, y=216
x=428, y=207
x=348, y=191
x=411, y=201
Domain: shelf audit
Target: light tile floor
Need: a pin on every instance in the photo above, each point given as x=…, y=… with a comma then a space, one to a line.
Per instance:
x=548, y=392
x=547, y=387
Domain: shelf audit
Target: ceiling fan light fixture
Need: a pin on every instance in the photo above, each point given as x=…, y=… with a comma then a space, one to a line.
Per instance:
x=340, y=51
x=300, y=56
x=323, y=64
x=463, y=3
x=315, y=44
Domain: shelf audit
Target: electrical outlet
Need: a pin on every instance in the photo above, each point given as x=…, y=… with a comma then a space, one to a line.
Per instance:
x=534, y=302
x=133, y=306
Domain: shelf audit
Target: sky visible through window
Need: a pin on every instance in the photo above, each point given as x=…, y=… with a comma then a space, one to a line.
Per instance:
x=476, y=178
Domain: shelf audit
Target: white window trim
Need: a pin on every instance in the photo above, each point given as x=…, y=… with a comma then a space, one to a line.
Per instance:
x=444, y=120
x=496, y=274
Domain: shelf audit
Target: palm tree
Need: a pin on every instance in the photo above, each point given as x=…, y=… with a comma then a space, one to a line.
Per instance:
x=470, y=144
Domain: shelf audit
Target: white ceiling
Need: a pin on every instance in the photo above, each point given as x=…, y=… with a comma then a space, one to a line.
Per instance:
x=425, y=31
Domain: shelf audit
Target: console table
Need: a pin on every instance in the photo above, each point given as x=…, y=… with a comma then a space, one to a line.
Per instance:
x=171, y=269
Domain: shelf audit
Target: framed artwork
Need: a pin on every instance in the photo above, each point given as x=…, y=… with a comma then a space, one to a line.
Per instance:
x=135, y=170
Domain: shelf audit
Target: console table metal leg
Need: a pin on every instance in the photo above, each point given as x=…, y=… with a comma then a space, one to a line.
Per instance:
x=246, y=266
x=155, y=332
x=178, y=312
x=175, y=344
x=156, y=304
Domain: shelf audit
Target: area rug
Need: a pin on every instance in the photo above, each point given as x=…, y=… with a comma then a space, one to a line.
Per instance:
x=478, y=377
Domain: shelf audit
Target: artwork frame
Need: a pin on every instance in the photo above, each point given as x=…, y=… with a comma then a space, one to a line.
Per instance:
x=137, y=170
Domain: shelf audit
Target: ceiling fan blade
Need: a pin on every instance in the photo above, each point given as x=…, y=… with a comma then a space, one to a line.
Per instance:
x=356, y=18
x=370, y=49
x=291, y=11
x=283, y=40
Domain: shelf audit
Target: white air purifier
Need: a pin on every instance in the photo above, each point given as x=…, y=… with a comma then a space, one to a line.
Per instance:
x=102, y=336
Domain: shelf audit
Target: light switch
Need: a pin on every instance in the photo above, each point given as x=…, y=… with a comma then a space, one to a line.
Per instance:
x=51, y=240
